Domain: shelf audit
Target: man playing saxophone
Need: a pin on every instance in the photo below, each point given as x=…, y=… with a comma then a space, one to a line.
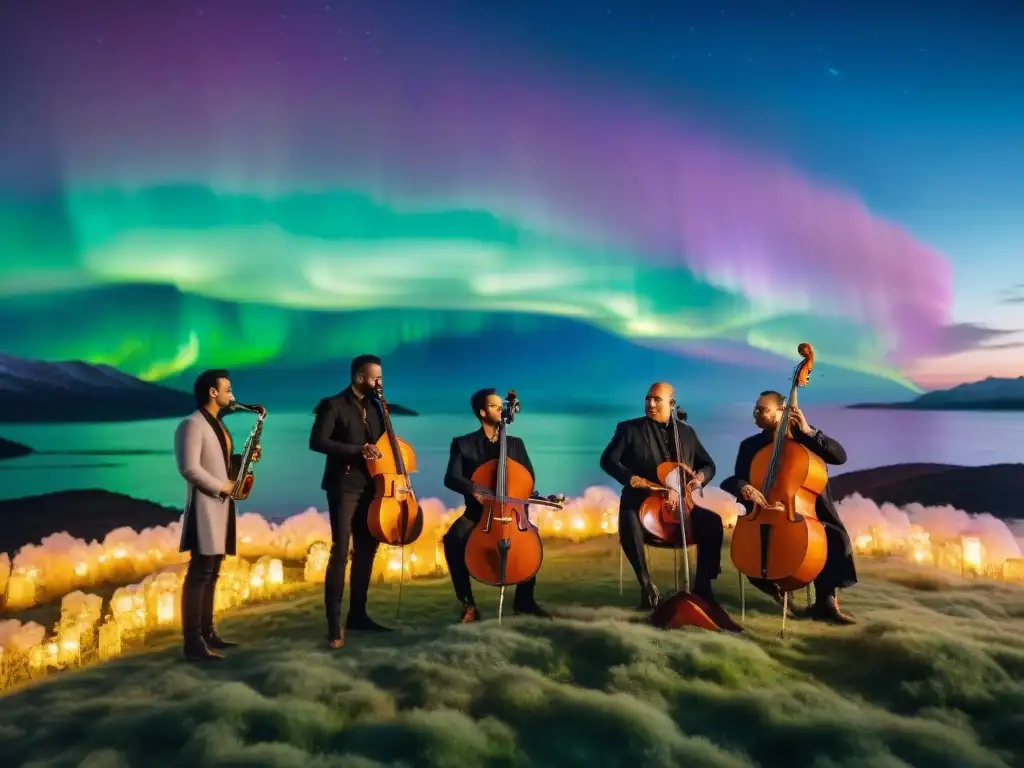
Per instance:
x=203, y=450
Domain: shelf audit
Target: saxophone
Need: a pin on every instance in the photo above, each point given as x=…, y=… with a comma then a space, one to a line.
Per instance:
x=251, y=453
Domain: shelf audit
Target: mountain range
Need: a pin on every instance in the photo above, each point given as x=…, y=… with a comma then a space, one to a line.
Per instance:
x=37, y=392
x=990, y=394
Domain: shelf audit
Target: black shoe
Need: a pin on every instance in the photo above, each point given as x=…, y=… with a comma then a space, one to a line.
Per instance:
x=828, y=611
x=198, y=651
x=530, y=609
x=364, y=623
x=215, y=641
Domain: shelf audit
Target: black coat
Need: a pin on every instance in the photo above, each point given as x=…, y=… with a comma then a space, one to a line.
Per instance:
x=340, y=432
x=633, y=450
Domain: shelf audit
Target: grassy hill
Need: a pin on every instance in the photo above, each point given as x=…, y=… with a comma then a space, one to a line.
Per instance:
x=932, y=676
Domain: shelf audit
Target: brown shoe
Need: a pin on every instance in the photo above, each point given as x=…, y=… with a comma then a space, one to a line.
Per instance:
x=470, y=613
x=335, y=643
x=828, y=611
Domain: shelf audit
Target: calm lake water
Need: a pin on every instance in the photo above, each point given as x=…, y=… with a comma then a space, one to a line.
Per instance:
x=137, y=458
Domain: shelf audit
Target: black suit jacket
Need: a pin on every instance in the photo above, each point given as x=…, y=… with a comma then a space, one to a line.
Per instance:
x=632, y=452
x=467, y=454
x=340, y=433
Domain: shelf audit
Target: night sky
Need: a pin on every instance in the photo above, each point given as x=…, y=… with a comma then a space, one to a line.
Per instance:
x=271, y=185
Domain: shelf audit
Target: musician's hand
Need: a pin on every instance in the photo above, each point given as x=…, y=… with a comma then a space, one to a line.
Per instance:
x=798, y=420
x=750, y=493
x=227, y=488
x=637, y=482
x=370, y=451
x=698, y=480
x=671, y=502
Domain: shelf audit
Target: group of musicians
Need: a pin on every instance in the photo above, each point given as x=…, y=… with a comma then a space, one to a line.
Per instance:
x=346, y=430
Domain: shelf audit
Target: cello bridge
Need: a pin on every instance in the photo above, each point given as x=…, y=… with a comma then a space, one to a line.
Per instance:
x=503, y=519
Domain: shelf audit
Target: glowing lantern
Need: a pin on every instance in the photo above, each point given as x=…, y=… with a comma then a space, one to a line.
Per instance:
x=275, y=573
x=863, y=543
x=972, y=553
x=109, y=640
x=1013, y=569
x=69, y=645
x=317, y=557
x=21, y=590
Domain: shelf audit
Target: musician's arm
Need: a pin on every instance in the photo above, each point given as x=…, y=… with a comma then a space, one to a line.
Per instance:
x=828, y=449
x=454, y=480
x=323, y=427
x=611, y=459
x=703, y=461
x=734, y=483
x=188, y=450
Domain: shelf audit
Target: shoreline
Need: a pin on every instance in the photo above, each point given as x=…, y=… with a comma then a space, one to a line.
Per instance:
x=92, y=513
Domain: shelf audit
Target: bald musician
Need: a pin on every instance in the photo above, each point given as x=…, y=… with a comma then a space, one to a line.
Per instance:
x=632, y=456
x=839, y=570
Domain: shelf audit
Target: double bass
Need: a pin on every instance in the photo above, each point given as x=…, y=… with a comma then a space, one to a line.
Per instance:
x=394, y=516
x=504, y=547
x=784, y=542
x=668, y=525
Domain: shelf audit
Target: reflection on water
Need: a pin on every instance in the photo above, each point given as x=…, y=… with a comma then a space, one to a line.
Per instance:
x=564, y=448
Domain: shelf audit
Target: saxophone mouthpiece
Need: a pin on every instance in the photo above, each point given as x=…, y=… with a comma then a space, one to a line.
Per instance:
x=237, y=406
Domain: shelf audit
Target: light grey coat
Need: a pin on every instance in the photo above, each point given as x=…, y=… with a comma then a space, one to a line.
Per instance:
x=201, y=450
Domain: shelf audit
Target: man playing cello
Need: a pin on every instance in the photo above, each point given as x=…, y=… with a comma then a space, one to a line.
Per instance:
x=839, y=570
x=632, y=456
x=467, y=454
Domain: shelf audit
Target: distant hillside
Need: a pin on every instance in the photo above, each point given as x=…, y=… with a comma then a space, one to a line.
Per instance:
x=85, y=514
x=38, y=392
x=12, y=450
x=995, y=488
x=991, y=394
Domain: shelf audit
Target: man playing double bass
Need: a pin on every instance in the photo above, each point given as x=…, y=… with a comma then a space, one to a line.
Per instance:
x=839, y=570
x=346, y=429
x=468, y=453
x=633, y=456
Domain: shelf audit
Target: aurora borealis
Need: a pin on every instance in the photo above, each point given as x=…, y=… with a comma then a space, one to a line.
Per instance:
x=261, y=185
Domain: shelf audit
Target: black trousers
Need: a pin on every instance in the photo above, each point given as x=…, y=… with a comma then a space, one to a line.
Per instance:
x=347, y=512
x=454, y=543
x=197, y=597
x=708, y=534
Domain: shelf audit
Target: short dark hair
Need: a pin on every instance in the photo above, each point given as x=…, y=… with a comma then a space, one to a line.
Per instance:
x=206, y=381
x=478, y=402
x=776, y=396
x=359, y=362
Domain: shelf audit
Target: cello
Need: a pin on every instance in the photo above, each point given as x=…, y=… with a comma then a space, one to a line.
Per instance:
x=394, y=516
x=504, y=547
x=784, y=542
x=669, y=526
